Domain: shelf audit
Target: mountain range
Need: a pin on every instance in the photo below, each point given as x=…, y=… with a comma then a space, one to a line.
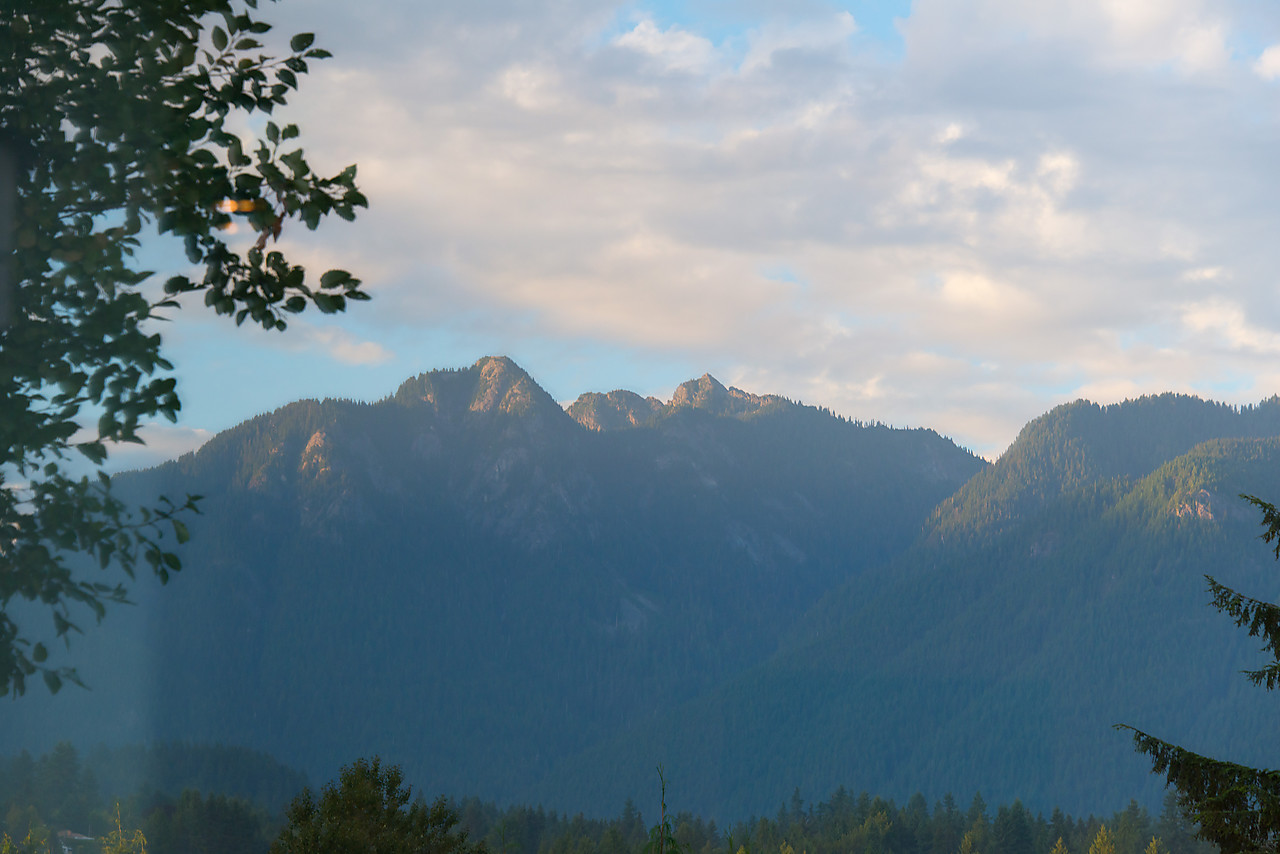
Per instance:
x=527, y=602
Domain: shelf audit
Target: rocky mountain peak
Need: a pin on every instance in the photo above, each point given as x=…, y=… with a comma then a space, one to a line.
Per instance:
x=616, y=410
x=620, y=409
x=494, y=384
x=502, y=386
x=707, y=394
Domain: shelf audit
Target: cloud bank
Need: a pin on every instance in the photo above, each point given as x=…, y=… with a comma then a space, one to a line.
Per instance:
x=1016, y=205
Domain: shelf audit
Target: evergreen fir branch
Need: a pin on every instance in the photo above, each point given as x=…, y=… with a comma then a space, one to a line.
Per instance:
x=1270, y=521
x=1268, y=677
x=1260, y=618
x=1235, y=806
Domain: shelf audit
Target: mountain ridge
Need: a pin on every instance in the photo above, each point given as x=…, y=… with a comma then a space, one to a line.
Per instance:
x=503, y=551
x=527, y=602
x=1060, y=451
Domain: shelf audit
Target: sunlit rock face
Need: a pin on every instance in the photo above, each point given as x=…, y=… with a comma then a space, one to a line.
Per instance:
x=616, y=410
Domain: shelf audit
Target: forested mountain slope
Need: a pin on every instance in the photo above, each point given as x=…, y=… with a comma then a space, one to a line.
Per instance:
x=466, y=580
x=1081, y=445
x=1059, y=592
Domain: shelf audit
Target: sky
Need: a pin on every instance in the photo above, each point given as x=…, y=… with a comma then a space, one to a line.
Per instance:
x=954, y=215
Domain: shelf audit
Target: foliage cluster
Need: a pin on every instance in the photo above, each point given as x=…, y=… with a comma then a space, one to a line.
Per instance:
x=121, y=119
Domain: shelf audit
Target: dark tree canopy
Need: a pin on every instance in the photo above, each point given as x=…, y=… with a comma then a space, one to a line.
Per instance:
x=1236, y=807
x=117, y=120
x=369, y=810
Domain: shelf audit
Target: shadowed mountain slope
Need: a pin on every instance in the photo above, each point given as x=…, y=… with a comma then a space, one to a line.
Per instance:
x=1059, y=592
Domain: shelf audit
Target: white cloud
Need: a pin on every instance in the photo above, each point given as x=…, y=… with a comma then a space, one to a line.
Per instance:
x=951, y=133
x=342, y=346
x=1267, y=65
x=675, y=49
x=981, y=297
x=1031, y=203
x=1058, y=172
x=161, y=442
x=529, y=87
x=1201, y=46
x=1225, y=323
x=1204, y=274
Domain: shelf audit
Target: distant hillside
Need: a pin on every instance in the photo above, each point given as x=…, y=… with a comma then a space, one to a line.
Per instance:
x=1059, y=592
x=470, y=582
x=1082, y=445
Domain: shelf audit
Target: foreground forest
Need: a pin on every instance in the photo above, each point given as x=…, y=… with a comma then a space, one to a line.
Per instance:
x=189, y=799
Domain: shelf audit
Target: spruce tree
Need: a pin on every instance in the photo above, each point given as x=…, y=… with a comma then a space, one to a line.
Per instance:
x=1235, y=807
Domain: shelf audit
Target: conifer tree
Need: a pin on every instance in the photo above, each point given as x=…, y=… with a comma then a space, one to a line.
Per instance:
x=1235, y=807
x=1103, y=843
x=371, y=809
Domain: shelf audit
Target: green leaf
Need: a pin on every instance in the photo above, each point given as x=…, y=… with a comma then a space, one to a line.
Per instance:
x=219, y=38
x=301, y=42
x=52, y=680
x=326, y=303
x=39, y=653
x=334, y=278
x=177, y=285
x=180, y=530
